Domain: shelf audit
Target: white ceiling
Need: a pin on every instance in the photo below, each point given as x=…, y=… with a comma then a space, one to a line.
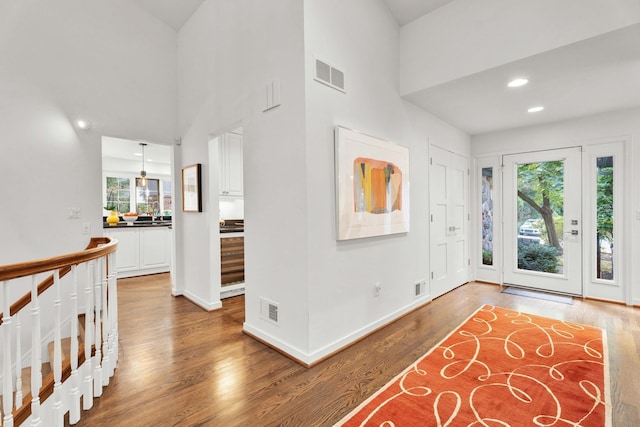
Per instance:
x=589, y=77
x=406, y=11
x=124, y=149
x=174, y=13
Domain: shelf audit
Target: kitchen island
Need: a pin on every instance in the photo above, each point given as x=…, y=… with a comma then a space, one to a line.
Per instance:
x=144, y=246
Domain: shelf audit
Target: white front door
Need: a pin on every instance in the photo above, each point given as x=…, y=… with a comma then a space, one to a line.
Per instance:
x=542, y=226
x=449, y=231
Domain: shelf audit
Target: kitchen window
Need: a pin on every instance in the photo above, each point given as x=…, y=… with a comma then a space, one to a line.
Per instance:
x=148, y=196
x=118, y=194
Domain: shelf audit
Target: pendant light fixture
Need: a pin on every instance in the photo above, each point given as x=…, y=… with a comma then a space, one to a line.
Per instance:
x=143, y=173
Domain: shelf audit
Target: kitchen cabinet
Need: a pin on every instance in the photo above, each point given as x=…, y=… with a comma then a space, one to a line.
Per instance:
x=230, y=151
x=142, y=250
x=127, y=254
x=155, y=248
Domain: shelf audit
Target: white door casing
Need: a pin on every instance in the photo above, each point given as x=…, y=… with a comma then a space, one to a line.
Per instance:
x=449, y=230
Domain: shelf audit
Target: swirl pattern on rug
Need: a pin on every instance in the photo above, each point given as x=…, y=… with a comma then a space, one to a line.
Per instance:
x=499, y=368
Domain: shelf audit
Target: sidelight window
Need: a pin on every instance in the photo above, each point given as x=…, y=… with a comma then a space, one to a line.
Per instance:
x=604, y=218
x=487, y=216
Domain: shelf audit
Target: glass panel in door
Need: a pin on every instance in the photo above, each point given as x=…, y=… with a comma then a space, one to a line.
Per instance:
x=542, y=220
x=540, y=216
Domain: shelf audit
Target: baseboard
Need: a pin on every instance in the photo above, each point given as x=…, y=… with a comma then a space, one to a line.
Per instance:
x=282, y=348
x=209, y=306
x=231, y=293
x=487, y=282
x=310, y=359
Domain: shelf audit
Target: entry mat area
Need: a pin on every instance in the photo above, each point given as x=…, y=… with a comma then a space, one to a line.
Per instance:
x=564, y=299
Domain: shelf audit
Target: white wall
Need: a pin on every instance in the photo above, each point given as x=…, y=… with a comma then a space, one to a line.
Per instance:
x=108, y=62
x=615, y=126
x=361, y=37
x=227, y=53
x=468, y=36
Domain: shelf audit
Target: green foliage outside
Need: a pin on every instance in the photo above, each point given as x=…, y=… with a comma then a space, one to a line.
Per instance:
x=538, y=258
x=605, y=203
x=541, y=187
x=117, y=194
x=487, y=257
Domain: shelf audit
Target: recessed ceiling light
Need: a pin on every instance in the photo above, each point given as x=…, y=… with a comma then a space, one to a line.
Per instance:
x=137, y=154
x=535, y=109
x=518, y=82
x=84, y=124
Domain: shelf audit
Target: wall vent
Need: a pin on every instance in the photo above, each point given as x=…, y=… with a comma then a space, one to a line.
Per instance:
x=329, y=75
x=269, y=310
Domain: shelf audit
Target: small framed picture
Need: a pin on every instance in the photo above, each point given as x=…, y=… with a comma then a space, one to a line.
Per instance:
x=192, y=188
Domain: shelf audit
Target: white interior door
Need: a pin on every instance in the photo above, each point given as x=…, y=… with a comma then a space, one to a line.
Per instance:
x=449, y=231
x=543, y=220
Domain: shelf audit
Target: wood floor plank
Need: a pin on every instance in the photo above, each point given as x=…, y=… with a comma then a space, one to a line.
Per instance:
x=180, y=365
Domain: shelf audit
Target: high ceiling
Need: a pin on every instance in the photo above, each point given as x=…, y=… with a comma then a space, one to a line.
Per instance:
x=174, y=13
x=406, y=11
x=591, y=76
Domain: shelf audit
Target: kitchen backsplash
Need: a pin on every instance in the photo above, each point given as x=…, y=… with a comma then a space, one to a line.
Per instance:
x=231, y=208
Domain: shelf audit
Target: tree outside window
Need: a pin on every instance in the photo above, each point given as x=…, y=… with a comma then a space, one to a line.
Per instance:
x=118, y=194
x=148, y=197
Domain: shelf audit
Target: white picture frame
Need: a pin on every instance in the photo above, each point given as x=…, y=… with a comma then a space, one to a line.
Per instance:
x=372, y=185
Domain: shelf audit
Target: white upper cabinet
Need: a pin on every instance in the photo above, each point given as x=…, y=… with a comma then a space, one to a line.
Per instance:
x=230, y=147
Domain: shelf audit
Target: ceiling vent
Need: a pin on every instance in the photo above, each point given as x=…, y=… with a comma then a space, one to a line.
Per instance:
x=329, y=75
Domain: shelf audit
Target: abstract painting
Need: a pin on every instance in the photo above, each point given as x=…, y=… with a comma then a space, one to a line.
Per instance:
x=372, y=185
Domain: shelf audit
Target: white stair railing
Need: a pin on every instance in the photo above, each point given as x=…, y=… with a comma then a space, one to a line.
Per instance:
x=75, y=369
x=74, y=404
x=7, y=383
x=36, y=354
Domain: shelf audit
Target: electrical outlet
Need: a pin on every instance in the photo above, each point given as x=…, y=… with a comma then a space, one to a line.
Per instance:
x=86, y=228
x=376, y=289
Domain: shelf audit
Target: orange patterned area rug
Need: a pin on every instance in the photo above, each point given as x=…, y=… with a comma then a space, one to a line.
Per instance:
x=500, y=368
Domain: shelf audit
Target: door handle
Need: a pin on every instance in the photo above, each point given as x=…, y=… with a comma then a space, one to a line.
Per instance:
x=572, y=232
x=454, y=228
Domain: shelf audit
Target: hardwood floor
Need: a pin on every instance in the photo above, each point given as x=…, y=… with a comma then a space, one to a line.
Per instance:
x=180, y=365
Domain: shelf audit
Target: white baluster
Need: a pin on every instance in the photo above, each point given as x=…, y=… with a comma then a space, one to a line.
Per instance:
x=18, y=362
x=111, y=304
x=114, y=307
x=7, y=383
x=97, y=363
x=58, y=413
x=106, y=361
x=36, y=354
x=74, y=407
x=87, y=387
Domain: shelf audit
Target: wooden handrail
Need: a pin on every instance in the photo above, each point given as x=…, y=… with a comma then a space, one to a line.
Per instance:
x=62, y=262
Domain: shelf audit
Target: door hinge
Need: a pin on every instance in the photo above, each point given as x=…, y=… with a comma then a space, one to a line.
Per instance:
x=432, y=275
x=431, y=217
x=430, y=160
x=468, y=217
x=468, y=172
x=468, y=261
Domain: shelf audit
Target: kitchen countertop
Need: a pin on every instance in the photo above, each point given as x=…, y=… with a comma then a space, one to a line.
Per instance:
x=124, y=224
x=231, y=229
